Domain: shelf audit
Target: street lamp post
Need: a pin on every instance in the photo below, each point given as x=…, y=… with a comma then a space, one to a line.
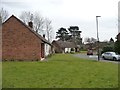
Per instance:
x=97, y=37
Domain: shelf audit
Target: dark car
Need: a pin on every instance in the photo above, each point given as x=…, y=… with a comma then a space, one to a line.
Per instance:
x=90, y=52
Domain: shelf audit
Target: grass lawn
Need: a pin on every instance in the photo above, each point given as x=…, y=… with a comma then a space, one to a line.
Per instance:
x=60, y=71
x=0, y=75
x=84, y=52
x=81, y=52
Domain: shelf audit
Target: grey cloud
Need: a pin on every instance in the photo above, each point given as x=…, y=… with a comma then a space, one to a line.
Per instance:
x=56, y=2
x=109, y=23
x=14, y=4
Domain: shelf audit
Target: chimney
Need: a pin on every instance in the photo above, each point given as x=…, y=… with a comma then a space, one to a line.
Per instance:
x=44, y=35
x=30, y=24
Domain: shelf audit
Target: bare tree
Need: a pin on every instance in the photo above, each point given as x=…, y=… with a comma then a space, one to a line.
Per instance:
x=87, y=40
x=48, y=28
x=40, y=23
x=93, y=40
x=26, y=17
x=36, y=18
x=90, y=40
x=3, y=15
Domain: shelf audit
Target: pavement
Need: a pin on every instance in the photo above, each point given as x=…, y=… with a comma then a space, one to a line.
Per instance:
x=94, y=57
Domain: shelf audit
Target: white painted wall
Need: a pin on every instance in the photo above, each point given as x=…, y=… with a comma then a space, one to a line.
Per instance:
x=47, y=49
x=67, y=50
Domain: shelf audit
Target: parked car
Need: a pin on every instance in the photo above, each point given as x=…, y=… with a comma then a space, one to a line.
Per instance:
x=111, y=55
x=89, y=52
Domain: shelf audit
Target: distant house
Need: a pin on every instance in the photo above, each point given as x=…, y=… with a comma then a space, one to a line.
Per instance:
x=94, y=46
x=118, y=37
x=63, y=46
x=21, y=42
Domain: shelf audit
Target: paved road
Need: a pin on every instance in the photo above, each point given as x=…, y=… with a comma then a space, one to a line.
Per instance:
x=94, y=57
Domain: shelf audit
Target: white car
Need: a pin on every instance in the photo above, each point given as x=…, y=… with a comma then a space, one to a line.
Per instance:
x=111, y=55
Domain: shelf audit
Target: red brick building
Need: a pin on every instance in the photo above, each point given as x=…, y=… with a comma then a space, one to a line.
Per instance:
x=20, y=42
x=118, y=37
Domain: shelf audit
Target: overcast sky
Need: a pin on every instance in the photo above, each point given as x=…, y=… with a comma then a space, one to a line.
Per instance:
x=65, y=13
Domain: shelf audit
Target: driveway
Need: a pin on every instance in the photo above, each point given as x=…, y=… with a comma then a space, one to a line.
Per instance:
x=93, y=57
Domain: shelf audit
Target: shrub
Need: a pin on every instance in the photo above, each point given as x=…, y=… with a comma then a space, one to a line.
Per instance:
x=72, y=51
x=107, y=48
x=117, y=46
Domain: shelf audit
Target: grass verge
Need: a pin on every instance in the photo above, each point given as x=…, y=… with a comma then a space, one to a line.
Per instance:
x=60, y=71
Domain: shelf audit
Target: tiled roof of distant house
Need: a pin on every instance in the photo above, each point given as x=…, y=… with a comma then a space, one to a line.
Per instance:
x=65, y=44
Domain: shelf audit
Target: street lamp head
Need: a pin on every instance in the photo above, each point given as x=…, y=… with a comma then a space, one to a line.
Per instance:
x=98, y=16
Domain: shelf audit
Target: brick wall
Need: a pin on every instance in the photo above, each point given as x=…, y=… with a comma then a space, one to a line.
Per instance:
x=118, y=36
x=18, y=42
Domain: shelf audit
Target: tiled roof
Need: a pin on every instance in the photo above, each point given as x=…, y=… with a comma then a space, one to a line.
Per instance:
x=65, y=44
x=38, y=35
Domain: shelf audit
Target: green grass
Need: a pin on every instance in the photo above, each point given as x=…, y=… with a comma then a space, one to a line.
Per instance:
x=0, y=75
x=60, y=71
x=81, y=52
x=84, y=52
